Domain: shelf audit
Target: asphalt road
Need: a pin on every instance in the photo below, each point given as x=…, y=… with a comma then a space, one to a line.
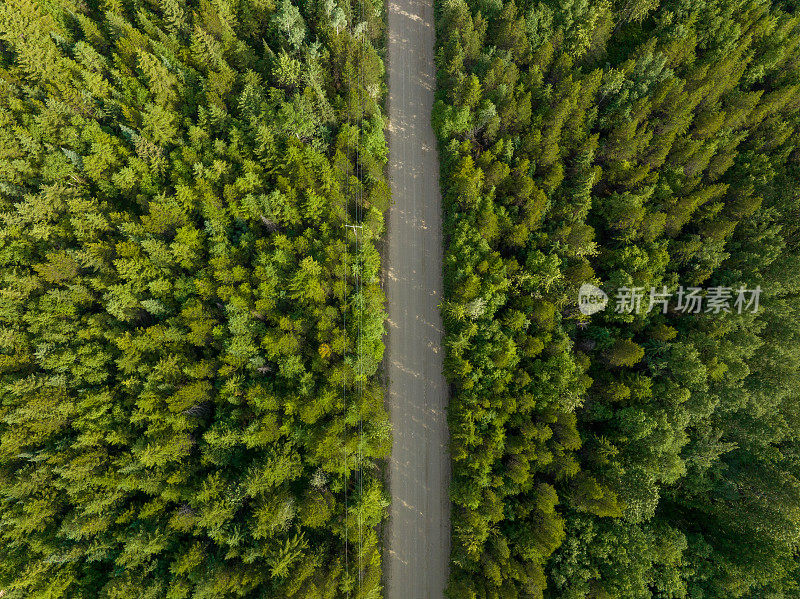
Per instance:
x=417, y=541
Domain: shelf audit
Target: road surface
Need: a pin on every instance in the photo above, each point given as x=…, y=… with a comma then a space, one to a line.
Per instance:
x=417, y=541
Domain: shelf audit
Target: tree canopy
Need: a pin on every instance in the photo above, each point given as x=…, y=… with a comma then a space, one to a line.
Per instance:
x=630, y=145
x=189, y=334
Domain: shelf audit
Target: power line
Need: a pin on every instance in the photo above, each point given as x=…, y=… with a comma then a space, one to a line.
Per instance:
x=358, y=284
x=361, y=311
x=345, y=264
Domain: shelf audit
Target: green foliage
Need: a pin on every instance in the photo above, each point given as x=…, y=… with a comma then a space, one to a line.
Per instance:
x=178, y=309
x=628, y=144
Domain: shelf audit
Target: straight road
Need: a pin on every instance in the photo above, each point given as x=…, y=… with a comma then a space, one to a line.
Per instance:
x=417, y=549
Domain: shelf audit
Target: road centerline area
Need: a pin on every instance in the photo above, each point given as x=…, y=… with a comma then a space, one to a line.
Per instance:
x=418, y=535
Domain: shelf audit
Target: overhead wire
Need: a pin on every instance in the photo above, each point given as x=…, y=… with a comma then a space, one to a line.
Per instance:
x=345, y=264
x=358, y=284
x=359, y=249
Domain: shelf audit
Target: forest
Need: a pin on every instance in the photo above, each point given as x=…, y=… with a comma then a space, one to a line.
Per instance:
x=192, y=197
x=631, y=145
x=191, y=316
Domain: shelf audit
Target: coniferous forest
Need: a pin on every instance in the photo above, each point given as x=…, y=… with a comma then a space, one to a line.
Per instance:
x=192, y=193
x=629, y=144
x=183, y=410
